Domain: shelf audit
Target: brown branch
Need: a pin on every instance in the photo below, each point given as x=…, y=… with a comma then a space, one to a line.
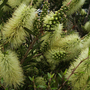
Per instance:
x=49, y=87
x=72, y=73
x=37, y=55
x=69, y=3
x=31, y=45
x=31, y=3
x=34, y=85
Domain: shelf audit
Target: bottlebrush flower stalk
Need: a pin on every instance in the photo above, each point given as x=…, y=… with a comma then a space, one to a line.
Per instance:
x=14, y=3
x=54, y=56
x=87, y=26
x=79, y=79
x=13, y=31
x=74, y=5
x=10, y=69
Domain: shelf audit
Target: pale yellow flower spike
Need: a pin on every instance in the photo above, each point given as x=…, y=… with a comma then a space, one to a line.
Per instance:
x=13, y=31
x=87, y=26
x=10, y=69
x=74, y=5
x=14, y=3
x=79, y=82
x=56, y=35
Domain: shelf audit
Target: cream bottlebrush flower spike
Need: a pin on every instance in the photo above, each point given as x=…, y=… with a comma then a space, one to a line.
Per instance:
x=87, y=26
x=56, y=35
x=14, y=3
x=85, y=42
x=52, y=37
x=67, y=41
x=13, y=31
x=52, y=57
x=81, y=74
x=74, y=5
x=10, y=69
x=83, y=12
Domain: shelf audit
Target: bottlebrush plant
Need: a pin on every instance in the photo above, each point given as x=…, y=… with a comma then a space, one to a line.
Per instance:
x=44, y=51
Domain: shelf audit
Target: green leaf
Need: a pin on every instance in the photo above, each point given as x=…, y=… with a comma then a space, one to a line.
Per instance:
x=52, y=75
x=29, y=31
x=89, y=51
x=36, y=46
x=65, y=72
x=30, y=57
x=41, y=86
x=82, y=72
x=32, y=79
x=88, y=79
x=49, y=75
x=29, y=85
x=59, y=75
x=75, y=74
x=1, y=80
x=5, y=1
x=54, y=88
x=6, y=88
x=52, y=82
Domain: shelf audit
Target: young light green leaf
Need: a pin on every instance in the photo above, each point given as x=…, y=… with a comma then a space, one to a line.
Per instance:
x=52, y=75
x=65, y=72
x=59, y=75
x=49, y=75
x=30, y=78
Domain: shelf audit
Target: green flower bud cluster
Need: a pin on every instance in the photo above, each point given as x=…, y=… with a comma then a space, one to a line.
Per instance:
x=36, y=26
x=59, y=56
x=58, y=17
x=44, y=11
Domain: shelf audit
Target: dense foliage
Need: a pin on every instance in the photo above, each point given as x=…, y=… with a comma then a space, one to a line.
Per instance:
x=46, y=50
